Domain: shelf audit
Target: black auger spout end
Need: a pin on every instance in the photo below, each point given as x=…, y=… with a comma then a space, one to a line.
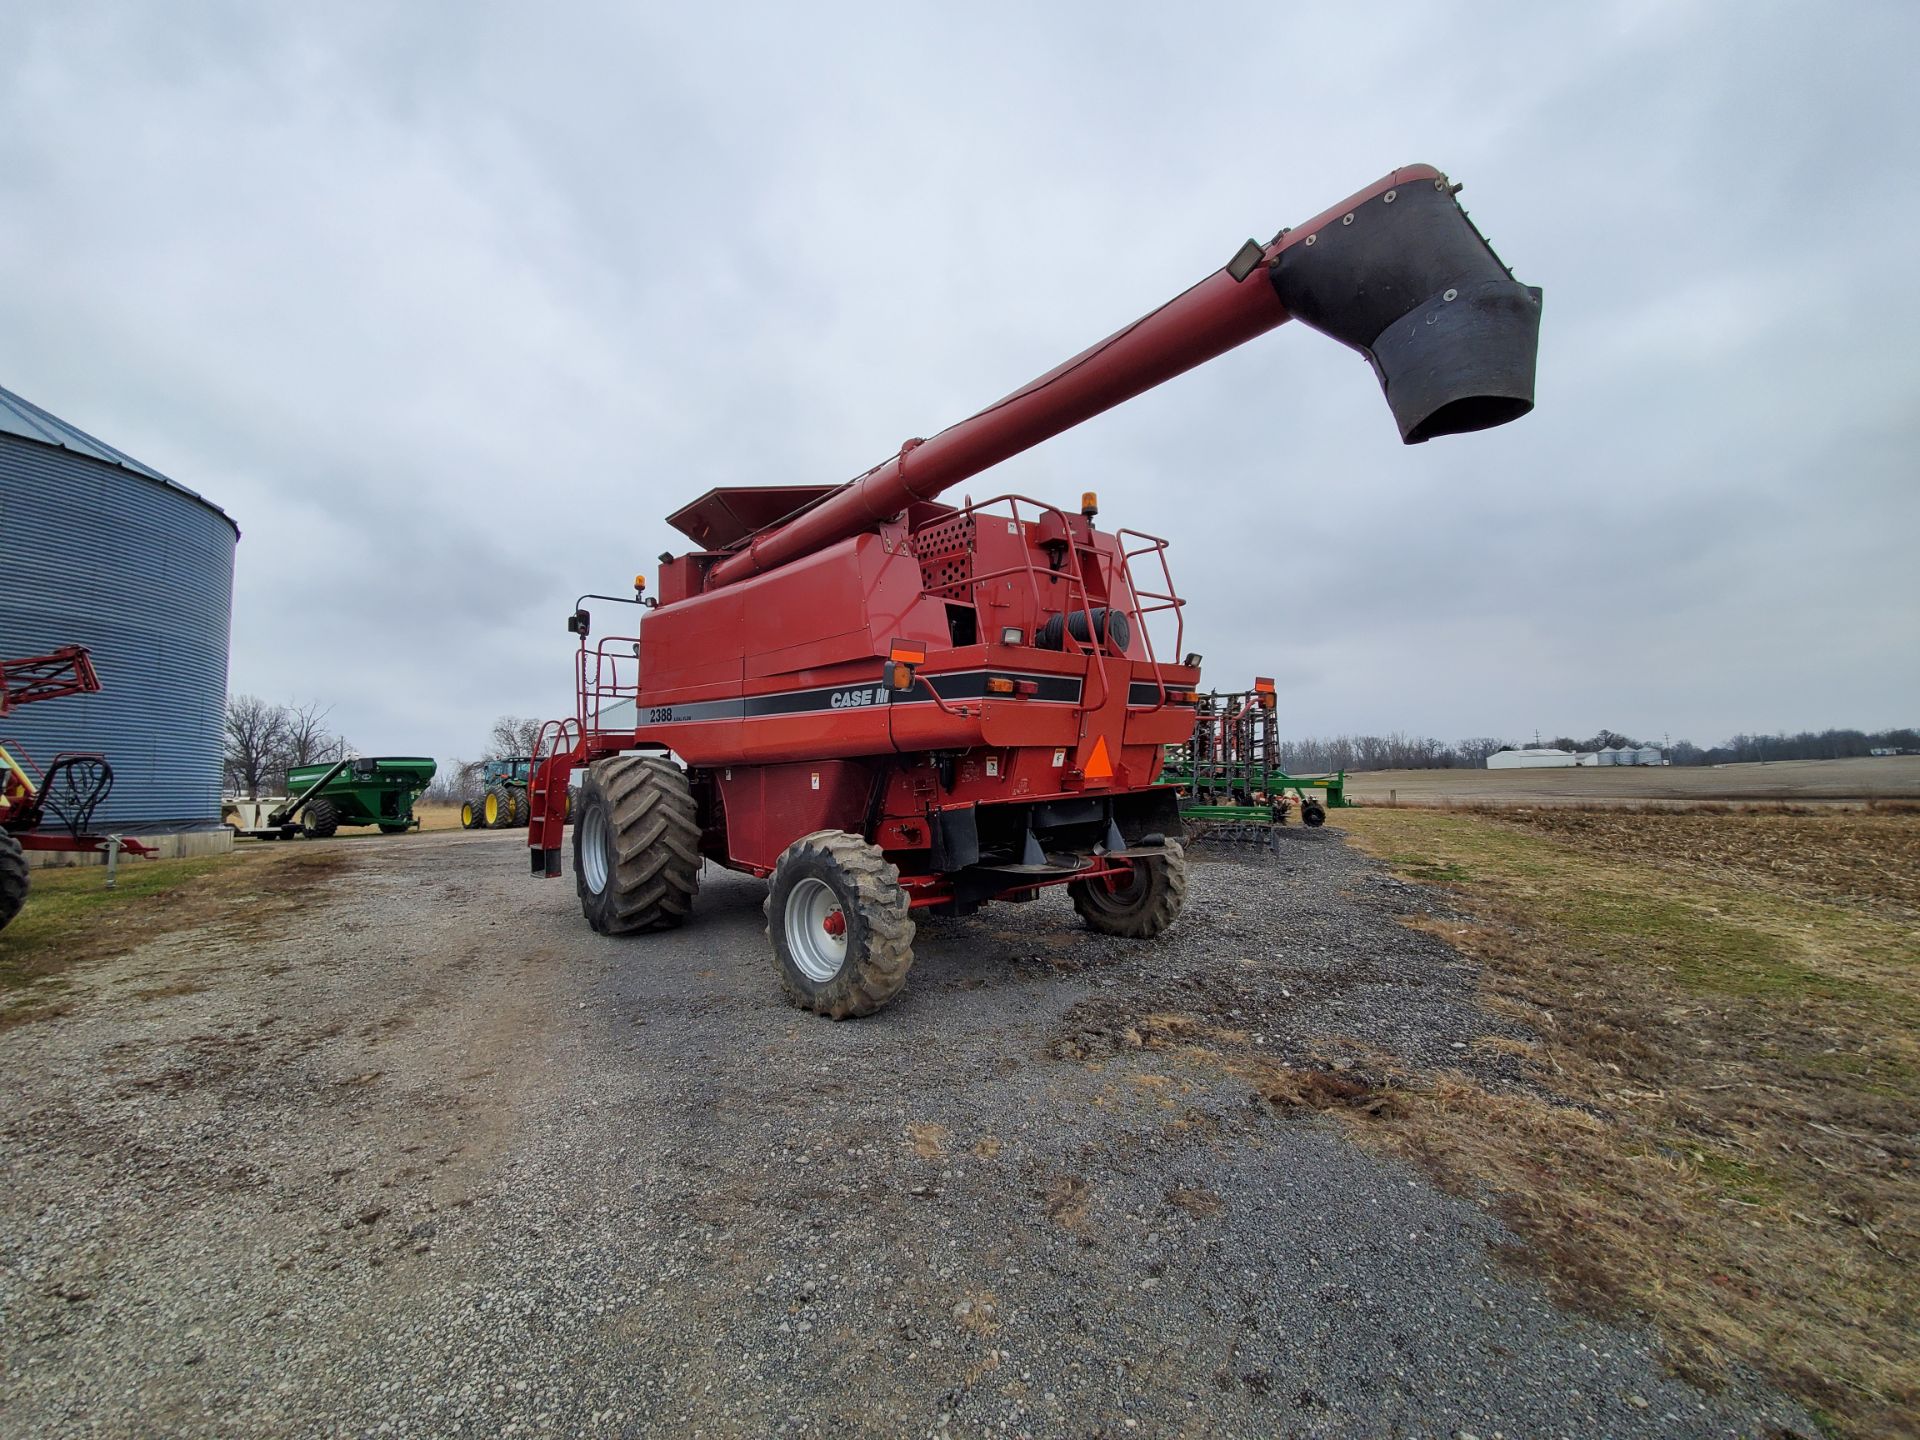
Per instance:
x=1406, y=279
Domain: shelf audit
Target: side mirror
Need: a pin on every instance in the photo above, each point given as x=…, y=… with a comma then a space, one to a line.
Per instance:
x=577, y=623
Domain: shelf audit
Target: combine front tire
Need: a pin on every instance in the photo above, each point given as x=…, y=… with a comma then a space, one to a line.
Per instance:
x=840, y=924
x=1140, y=904
x=13, y=878
x=636, y=845
x=320, y=821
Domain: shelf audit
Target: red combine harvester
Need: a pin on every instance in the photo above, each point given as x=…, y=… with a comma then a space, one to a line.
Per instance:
x=69, y=790
x=889, y=704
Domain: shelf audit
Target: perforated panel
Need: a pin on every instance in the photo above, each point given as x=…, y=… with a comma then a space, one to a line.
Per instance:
x=945, y=553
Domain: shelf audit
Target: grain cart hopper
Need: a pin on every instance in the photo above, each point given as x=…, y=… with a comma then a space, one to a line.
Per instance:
x=67, y=792
x=366, y=790
x=886, y=703
x=371, y=790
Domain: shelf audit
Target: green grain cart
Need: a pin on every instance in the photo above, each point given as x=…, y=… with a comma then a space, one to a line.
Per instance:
x=375, y=790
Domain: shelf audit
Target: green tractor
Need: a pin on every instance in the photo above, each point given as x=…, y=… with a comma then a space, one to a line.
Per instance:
x=503, y=796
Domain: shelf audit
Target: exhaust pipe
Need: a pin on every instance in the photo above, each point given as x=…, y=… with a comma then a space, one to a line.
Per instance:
x=1405, y=278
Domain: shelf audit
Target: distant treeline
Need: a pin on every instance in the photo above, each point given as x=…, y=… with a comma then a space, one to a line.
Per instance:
x=1316, y=754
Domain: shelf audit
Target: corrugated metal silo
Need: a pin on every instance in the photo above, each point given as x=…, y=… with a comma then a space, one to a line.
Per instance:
x=105, y=552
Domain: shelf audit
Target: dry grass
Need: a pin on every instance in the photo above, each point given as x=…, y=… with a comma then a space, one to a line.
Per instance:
x=438, y=817
x=72, y=919
x=1723, y=1137
x=928, y=1140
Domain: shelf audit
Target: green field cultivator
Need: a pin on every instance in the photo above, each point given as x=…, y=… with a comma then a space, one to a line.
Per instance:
x=1231, y=783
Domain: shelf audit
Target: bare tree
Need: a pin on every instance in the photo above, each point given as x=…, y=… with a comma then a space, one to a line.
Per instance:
x=453, y=782
x=265, y=741
x=307, y=736
x=512, y=736
x=1476, y=750
x=256, y=733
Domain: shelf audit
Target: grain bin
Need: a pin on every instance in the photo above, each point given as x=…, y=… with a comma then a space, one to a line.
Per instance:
x=106, y=552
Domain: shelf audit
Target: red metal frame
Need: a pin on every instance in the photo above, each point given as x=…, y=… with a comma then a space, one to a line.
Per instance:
x=32, y=680
x=53, y=676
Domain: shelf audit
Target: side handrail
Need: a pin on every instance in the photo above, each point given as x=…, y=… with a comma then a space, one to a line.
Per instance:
x=1136, y=603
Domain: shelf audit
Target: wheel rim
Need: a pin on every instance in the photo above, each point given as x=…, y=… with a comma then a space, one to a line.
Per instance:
x=813, y=916
x=592, y=840
x=492, y=810
x=1120, y=891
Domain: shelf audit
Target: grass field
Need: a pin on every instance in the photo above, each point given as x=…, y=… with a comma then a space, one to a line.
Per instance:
x=1720, y=1132
x=1895, y=777
x=72, y=917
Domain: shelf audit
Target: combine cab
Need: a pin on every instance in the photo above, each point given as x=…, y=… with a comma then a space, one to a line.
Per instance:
x=886, y=704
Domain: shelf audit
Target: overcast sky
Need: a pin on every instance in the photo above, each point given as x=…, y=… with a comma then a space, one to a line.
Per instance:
x=450, y=305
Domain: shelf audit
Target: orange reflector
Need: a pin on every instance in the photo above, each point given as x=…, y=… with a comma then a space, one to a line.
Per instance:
x=908, y=654
x=999, y=685
x=899, y=676
x=1265, y=687
x=1099, y=765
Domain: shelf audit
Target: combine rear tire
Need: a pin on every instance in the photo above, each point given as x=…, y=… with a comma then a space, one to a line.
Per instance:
x=840, y=925
x=636, y=846
x=320, y=821
x=1140, y=905
x=13, y=878
x=470, y=816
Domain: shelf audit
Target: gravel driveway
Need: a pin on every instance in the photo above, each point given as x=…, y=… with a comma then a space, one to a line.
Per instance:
x=434, y=1159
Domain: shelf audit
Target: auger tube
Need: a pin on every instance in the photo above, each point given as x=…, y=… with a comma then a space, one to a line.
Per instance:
x=1396, y=271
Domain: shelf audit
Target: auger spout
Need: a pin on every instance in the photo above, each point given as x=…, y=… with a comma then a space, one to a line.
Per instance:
x=1396, y=271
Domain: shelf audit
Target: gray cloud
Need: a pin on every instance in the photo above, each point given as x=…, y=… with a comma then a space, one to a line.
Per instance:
x=449, y=309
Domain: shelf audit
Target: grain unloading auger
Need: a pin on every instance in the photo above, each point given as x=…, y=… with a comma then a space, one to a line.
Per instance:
x=888, y=704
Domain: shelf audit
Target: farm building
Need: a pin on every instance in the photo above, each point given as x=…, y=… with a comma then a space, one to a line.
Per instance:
x=106, y=552
x=1544, y=758
x=1532, y=758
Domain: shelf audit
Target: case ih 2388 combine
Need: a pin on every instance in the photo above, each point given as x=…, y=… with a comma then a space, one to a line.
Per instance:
x=887, y=704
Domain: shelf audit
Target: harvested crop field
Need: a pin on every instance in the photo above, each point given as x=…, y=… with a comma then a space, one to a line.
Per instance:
x=1724, y=1075
x=1893, y=777
x=416, y=1153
